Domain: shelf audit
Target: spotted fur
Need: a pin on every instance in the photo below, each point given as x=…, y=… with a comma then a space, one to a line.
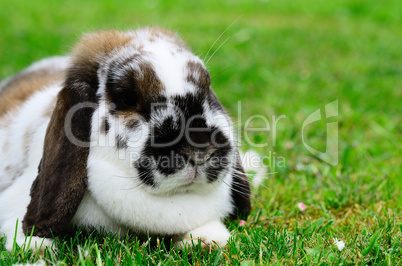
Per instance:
x=132, y=137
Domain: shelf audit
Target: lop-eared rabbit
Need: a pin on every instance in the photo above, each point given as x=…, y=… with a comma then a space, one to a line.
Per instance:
x=125, y=134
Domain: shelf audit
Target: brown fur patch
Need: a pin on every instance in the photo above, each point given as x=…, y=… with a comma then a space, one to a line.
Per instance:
x=198, y=75
x=135, y=90
x=150, y=83
x=92, y=46
x=24, y=85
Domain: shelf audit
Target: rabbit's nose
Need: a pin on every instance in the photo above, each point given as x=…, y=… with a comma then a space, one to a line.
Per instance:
x=200, y=157
x=199, y=139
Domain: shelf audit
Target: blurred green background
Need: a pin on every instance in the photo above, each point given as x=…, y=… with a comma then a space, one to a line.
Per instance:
x=280, y=58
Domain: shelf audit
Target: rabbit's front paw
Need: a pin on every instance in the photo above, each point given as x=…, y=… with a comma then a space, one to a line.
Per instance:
x=211, y=235
x=37, y=244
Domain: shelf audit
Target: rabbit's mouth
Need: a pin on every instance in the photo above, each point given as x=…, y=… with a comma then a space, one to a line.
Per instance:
x=188, y=185
x=191, y=173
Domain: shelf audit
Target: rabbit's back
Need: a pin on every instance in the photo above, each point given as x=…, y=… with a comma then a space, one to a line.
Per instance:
x=20, y=87
x=26, y=104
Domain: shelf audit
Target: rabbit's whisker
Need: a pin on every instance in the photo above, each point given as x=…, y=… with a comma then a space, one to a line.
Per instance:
x=218, y=39
x=218, y=49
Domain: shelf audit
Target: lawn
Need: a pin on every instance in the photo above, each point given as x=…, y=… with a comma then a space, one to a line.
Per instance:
x=278, y=59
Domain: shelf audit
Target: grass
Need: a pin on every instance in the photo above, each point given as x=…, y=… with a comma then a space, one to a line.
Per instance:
x=283, y=58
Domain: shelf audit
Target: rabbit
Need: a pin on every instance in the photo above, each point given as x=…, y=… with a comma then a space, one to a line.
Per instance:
x=125, y=135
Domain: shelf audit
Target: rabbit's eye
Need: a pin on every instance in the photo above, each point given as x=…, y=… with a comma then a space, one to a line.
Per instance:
x=124, y=99
x=129, y=100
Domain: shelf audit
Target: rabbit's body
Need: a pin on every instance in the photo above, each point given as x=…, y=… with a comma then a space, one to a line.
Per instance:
x=82, y=149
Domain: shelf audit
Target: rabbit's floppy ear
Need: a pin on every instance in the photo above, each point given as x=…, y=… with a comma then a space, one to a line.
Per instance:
x=241, y=191
x=240, y=188
x=62, y=178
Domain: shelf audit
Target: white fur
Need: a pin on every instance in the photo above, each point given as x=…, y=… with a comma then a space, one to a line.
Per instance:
x=116, y=199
